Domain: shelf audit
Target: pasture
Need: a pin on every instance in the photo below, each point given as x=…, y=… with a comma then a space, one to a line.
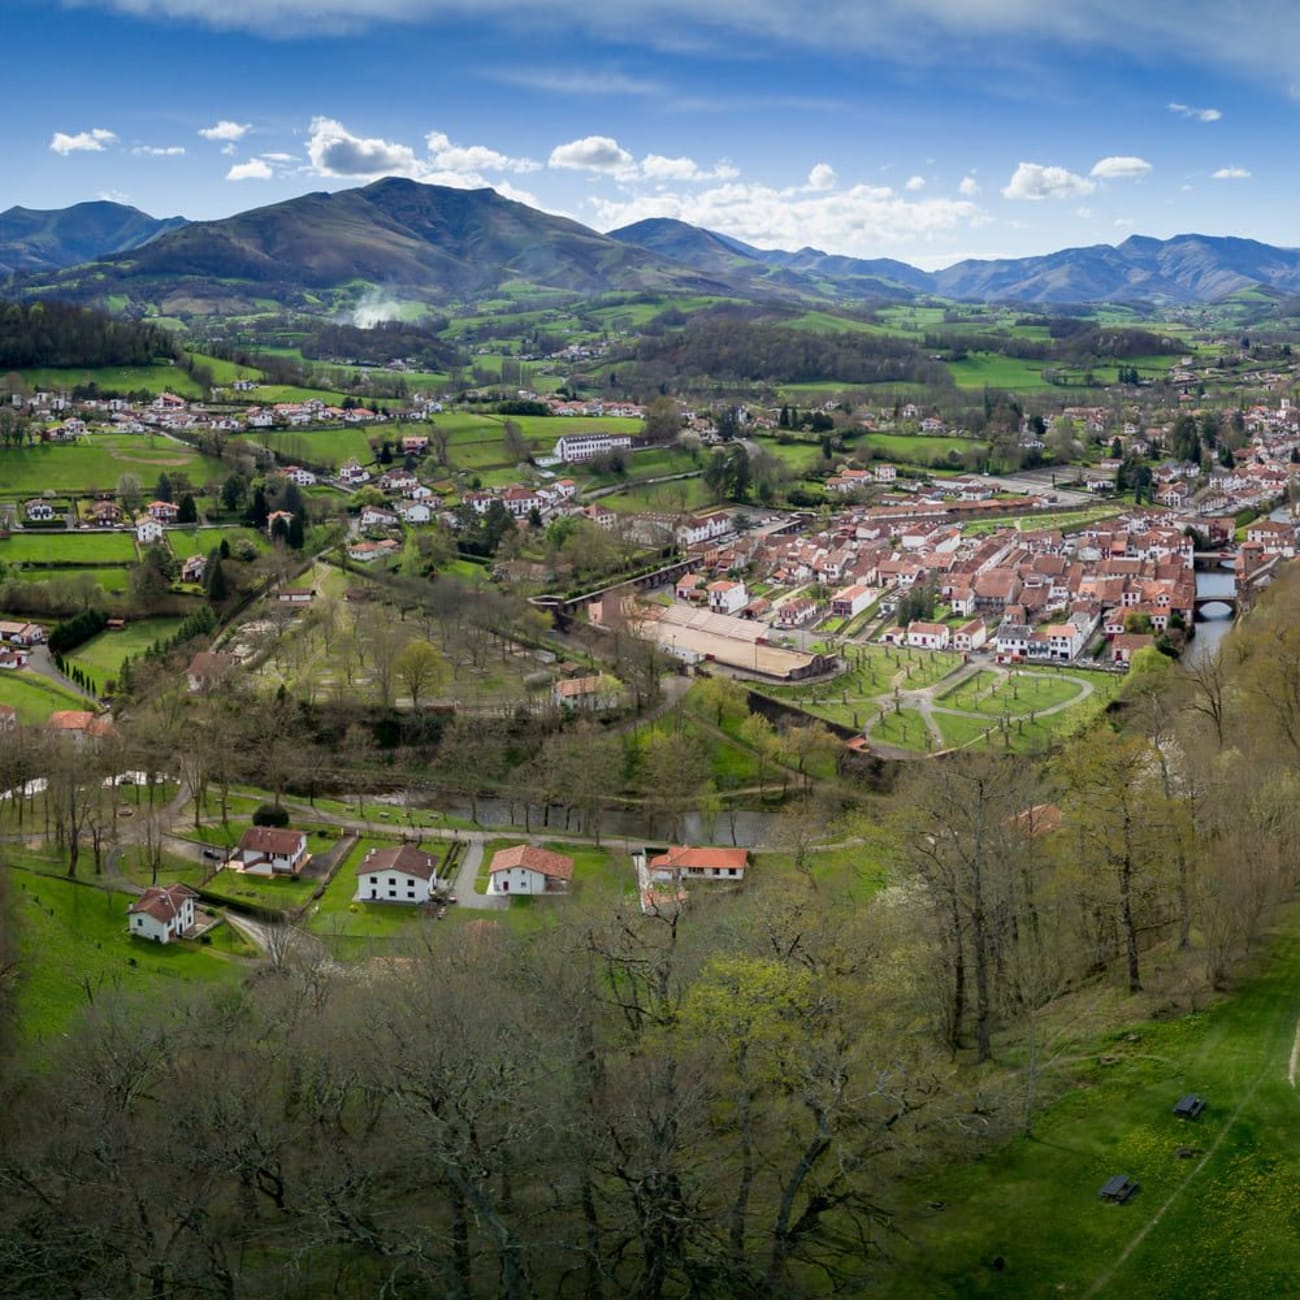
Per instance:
x=74, y=548
x=36, y=697
x=102, y=656
x=119, y=379
x=96, y=465
x=1215, y=1223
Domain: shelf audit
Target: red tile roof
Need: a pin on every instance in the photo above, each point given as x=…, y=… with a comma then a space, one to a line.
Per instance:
x=684, y=857
x=272, y=840
x=407, y=859
x=162, y=904
x=554, y=865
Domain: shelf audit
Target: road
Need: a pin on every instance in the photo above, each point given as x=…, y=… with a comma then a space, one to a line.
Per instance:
x=41, y=662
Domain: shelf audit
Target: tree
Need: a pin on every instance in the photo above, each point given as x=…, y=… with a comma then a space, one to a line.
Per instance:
x=294, y=536
x=217, y=588
x=129, y=492
x=188, y=512
x=420, y=668
x=163, y=489
x=663, y=420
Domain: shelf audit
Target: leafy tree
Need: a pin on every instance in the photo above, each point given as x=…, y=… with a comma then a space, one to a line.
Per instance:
x=188, y=512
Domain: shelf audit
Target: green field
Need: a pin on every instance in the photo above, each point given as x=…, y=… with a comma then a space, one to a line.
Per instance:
x=36, y=697
x=81, y=549
x=96, y=466
x=123, y=379
x=921, y=449
x=74, y=946
x=1220, y=1224
x=113, y=581
x=284, y=895
x=337, y=914
x=317, y=446
x=199, y=541
x=101, y=657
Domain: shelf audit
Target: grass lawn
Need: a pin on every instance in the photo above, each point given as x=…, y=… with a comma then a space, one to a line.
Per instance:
x=73, y=946
x=101, y=657
x=68, y=548
x=981, y=368
x=905, y=729
x=199, y=541
x=93, y=466
x=113, y=581
x=279, y=894
x=599, y=874
x=1221, y=1224
x=920, y=449
x=35, y=697
x=1020, y=694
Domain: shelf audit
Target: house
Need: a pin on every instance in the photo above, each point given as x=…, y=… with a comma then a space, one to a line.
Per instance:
x=1127, y=644
x=1275, y=536
x=295, y=595
x=400, y=875
x=270, y=850
x=148, y=532
x=374, y=517
x=162, y=914
x=690, y=586
x=353, y=475
x=970, y=636
x=194, y=568
x=1012, y=642
x=8, y=718
x=22, y=634
x=39, y=512
x=681, y=862
x=415, y=512
x=165, y=512
x=207, y=668
x=365, y=552
x=929, y=636
x=105, y=514
x=302, y=477
x=727, y=597
x=527, y=869
x=414, y=444
x=278, y=516
x=79, y=725
x=586, y=693
x=849, y=602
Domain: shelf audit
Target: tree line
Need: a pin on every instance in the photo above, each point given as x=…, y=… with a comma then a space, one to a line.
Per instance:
x=52, y=333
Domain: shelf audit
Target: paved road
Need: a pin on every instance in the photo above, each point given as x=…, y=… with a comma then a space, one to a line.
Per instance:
x=463, y=886
x=42, y=663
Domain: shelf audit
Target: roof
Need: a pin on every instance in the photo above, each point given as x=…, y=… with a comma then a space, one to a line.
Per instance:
x=578, y=686
x=276, y=840
x=78, y=720
x=211, y=663
x=555, y=866
x=684, y=856
x=407, y=859
x=162, y=904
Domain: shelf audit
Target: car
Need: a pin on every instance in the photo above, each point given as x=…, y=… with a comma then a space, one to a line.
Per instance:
x=213, y=853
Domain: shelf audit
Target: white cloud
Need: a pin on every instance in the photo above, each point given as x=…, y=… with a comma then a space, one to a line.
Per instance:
x=1124, y=223
x=113, y=196
x=254, y=170
x=1033, y=181
x=83, y=142
x=857, y=220
x=280, y=157
x=1122, y=167
x=655, y=167
x=593, y=153
x=969, y=187
x=1196, y=114
x=578, y=82
x=915, y=183
x=225, y=130
x=473, y=158
x=157, y=151
x=335, y=151
x=822, y=177
x=1230, y=174
x=230, y=150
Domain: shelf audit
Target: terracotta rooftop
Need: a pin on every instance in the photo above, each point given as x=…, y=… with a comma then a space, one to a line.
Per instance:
x=555, y=866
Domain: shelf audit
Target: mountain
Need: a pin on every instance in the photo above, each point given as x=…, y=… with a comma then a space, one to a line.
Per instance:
x=431, y=242
x=322, y=252
x=808, y=271
x=33, y=240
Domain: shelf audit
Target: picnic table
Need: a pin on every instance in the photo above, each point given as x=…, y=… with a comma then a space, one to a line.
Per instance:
x=1189, y=1107
x=1117, y=1189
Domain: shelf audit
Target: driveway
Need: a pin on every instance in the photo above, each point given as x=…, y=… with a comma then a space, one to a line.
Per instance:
x=463, y=888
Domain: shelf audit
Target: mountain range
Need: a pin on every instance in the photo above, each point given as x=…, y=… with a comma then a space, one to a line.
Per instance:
x=442, y=246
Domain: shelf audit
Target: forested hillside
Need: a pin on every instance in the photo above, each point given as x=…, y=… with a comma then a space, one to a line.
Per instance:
x=59, y=334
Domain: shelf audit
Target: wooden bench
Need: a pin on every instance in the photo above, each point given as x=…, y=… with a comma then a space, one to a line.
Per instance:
x=1189, y=1107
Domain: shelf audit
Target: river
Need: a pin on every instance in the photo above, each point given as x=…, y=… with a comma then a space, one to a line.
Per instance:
x=1216, y=620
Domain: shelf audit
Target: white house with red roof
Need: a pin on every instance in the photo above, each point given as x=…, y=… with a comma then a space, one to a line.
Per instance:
x=682, y=862
x=271, y=851
x=528, y=869
x=162, y=914
x=405, y=874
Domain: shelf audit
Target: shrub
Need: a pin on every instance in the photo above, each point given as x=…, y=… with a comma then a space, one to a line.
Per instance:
x=269, y=814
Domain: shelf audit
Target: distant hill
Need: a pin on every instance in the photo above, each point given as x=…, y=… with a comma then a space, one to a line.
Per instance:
x=322, y=252
x=33, y=240
x=426, y=241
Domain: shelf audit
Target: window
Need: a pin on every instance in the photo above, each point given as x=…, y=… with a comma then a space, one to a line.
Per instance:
x=374, y=880
x=733, y=871
x=392, y=891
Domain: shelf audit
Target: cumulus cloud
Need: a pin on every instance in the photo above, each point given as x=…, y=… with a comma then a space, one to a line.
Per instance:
x=593, y=153
x=256, y=169
x=225, y=130
x=1196, y=114
x=915, y=183
x=1124, y=223
x=335, y=151
x=1122, y=167
x=93, y=141
x=655, y=167
x=577, y=81
x=1032, y=181
x=969, y=187
x=857, y=220
x=280, y=157
x=473, y=158
x=156, y=151
x=1230, y=174
x=822, y=177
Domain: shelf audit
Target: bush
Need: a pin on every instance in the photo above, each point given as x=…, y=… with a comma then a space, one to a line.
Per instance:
x=269, y=814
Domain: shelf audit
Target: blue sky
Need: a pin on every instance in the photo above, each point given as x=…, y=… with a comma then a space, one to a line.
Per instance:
x=926, y=130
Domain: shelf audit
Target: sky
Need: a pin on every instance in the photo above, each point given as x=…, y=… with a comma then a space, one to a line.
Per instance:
x=923, y=130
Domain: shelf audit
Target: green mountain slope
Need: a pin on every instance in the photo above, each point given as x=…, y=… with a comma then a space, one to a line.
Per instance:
x=36, y=240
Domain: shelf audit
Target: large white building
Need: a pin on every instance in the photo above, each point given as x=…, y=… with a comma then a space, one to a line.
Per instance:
x=574, y=447
x=527, y=869
x=162, y=914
